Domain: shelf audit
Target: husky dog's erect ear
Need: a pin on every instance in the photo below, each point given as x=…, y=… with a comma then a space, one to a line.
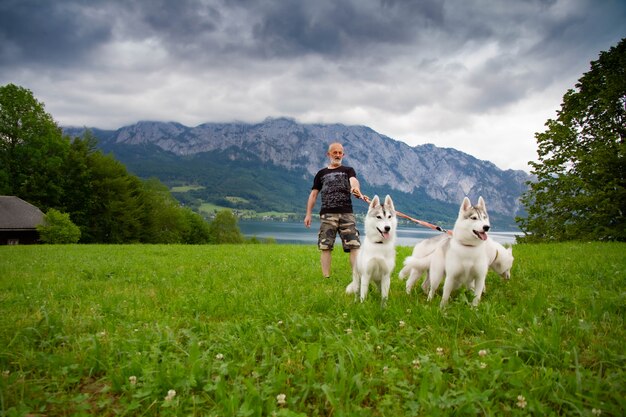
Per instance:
x=375, y=202
x=466, y=205
x=481, y=204
x=389, y=203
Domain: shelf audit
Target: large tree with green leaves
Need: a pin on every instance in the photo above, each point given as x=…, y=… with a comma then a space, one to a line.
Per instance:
x=580, y=187
x=32, y=149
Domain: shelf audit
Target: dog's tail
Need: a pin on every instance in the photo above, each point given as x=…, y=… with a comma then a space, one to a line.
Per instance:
x=412, y=262
x=404, y=272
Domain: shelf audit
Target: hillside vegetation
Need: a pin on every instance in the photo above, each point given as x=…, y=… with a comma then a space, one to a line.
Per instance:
x=253, y=330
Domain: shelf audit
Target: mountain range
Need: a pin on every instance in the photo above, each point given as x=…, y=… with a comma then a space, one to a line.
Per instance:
x=269, y=166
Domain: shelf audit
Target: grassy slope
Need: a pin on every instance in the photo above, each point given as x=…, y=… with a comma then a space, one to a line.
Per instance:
x=231, y=327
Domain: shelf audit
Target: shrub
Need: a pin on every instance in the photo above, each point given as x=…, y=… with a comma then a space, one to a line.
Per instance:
x=58, y=228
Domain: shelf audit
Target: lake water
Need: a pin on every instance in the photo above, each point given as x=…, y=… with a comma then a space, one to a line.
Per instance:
x=296, y=233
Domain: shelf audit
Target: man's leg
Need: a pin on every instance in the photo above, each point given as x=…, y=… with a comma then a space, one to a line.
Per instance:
x=325, y=260
x=326, y=240
x=353, y=254
x=350, y=237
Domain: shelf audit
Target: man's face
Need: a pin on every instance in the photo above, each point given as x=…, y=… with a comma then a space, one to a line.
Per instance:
x=336, y=155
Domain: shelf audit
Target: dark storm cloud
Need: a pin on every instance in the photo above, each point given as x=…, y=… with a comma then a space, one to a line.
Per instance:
x=341, y=28
x=61, y=31
x=178, y=20
x=50, y=33
x=179, y=26
x=196, y=31
x=67, y=33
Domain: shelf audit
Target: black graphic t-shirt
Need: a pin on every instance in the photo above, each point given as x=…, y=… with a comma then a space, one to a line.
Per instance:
x=334, y=185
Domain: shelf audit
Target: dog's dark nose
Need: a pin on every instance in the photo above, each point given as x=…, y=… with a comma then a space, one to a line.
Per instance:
x=387, y=228
x=486, y=228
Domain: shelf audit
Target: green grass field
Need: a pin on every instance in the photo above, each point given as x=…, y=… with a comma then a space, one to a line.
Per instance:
x=253, y=330
x=185, y=188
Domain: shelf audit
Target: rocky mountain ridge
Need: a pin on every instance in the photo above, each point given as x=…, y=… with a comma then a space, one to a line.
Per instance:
x=444, y=174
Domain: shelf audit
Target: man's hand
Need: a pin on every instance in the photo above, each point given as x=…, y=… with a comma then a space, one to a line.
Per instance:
x=307, y=221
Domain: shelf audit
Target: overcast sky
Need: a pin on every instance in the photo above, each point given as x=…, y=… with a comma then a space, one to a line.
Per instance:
x=479, y=76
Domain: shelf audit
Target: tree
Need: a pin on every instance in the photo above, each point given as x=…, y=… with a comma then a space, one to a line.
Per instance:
x=32, y=149
x=224, y=229
x=580, y=188
x=163, y=220
x=196, y=229
x=115, y=211
x=58, y=228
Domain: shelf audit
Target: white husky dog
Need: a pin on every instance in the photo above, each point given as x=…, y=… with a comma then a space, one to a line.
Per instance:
x=377, y=256
x=500, y=260
x=464, y=259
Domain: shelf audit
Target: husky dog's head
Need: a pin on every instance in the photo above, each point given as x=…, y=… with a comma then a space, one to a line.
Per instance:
x=381, y=221
x=472, y=225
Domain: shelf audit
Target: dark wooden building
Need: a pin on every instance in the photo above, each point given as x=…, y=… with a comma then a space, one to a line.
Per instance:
x=18, y=221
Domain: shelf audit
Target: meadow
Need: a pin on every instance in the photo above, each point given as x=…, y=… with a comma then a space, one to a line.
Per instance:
x=254, y=330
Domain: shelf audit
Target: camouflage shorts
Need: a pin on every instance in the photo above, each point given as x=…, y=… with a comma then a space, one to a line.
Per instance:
x=345, y=224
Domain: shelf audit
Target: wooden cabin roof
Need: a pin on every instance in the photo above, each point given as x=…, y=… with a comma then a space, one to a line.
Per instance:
x=17, y=214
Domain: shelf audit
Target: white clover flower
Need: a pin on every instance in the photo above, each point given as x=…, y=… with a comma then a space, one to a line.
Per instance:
x=170, y=395
x=408, y=311
x=219, y=357
x=280, y=322
x=385, y=370
x=345, y=315
x=132, y=380
x=483, y=365
x=440, y=351
x=596, y=411
x=6, y=373
x=520, y=330
x=401, y=323
x=521, y=401
x=416, y=363
x=348, y=331
x=281, y=399
x=482, y=353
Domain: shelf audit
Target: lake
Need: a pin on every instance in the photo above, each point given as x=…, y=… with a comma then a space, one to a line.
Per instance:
x=296, y=233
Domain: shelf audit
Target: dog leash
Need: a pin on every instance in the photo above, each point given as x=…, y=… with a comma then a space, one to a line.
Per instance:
x=365, y=198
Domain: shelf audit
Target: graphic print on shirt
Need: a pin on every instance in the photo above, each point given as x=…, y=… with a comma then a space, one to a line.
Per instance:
x=334, y=190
